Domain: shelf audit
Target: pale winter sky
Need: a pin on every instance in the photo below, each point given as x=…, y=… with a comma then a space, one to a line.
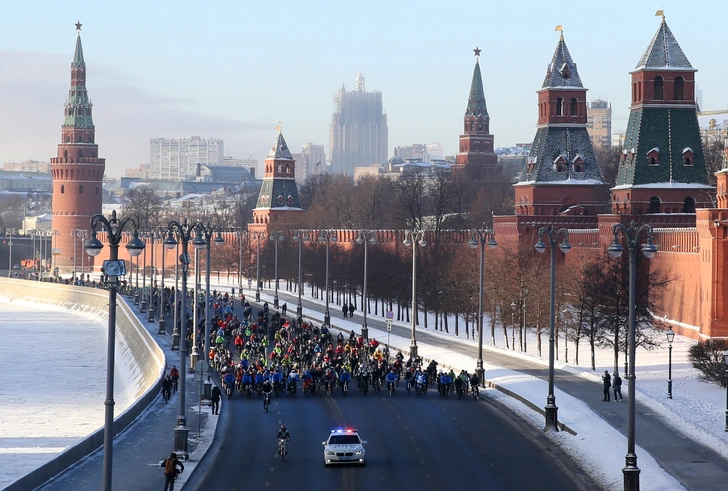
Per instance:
x=233, y=70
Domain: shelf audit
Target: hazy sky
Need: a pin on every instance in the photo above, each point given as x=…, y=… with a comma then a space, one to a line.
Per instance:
x=234, y=69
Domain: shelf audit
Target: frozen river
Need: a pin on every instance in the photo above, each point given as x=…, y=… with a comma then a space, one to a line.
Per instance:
x=52, y=383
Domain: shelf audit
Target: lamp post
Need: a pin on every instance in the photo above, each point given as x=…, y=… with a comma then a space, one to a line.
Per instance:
x=184, y=233
x=725, y=361
x=258, y=235
x=150, y=304
x=552, y=235
x=143, y=296
x=365, y=237
x=276, y=236
x=55, y=234
x=327, y=236
x=218, y=242
x=81, y=234
x=9, y=233
x=670, y=337
x=162, y=322
x=513, y=326
x=136, y=286
x=481, y=237
x=300, y=237
x=413, y=238
x=113, y=268
x=630, y=471
x=241, y=234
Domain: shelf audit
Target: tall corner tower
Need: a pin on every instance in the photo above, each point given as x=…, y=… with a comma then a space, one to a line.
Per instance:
x=77, y=170
x=662, y=167
x=278, y=200
x=476, y=157
x=561, y=175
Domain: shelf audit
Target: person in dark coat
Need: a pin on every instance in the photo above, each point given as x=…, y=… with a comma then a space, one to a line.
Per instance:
x=351, y=310
x=617, y=386
x=170, y=465
x=215, y=398
x=607, y=379
x=345, y=309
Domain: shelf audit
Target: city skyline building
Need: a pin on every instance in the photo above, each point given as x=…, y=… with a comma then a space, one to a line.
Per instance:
x=174, y=159
x=310, y=161
x=359, y=133
x=599, y=124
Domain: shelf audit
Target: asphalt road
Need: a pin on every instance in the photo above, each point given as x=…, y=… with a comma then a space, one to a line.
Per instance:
x=428, y=443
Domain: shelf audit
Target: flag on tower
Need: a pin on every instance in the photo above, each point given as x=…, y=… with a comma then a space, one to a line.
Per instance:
x=559, y=28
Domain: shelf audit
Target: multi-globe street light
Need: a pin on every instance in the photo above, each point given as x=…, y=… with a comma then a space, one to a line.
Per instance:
x=327, y=236
x=240, y=234
x=414, y=238
x=365, y=237
x=218, y=242
x=162, y=301
x=276, y=236
x=83, y=235
x=300, y=236
x=481, y=237
x=670, y=337
x=632, y=233
x=156, y=233
x=552, y=234
x=184, y=232
x=113, y=268
x=725, y=361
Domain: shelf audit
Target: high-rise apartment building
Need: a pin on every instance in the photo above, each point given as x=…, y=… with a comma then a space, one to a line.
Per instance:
x=599, y=124
x=310, y=162
x=172, y=159
x=359, y=134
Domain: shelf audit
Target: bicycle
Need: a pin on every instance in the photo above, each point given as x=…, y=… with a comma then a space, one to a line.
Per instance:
x=345, y=387
x=266, y=401
x=166, y=394
x=390, y=387
x=282, y=448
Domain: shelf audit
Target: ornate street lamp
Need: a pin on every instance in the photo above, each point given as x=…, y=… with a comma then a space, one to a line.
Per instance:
x=552, y=235
x=276, y=236
x=9, y=233
x=241, y=234
x=725, y=361
x=184, y=232
x=483, y=237
x=112, y=268
x=300, y=236
x=670, y=337
x=630, y=471
x=218, y=242
x=365, y=237
x=327, y=236
x=83, y=235
x=413, y=238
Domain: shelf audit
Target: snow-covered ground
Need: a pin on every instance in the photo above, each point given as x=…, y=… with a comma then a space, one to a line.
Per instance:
x=33, y=430
x=52, y=383
x=697, y=408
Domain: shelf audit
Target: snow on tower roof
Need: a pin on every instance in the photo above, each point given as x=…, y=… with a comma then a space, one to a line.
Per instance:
x=664, y=52
x=562, y=69
x=279, y=150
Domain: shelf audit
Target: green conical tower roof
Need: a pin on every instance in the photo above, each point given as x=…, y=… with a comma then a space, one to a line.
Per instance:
x=78, y=54
x=476, y=100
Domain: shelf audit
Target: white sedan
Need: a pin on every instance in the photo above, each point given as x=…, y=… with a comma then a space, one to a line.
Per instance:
x=344, y=446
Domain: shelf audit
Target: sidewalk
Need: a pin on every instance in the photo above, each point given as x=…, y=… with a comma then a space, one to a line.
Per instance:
x=139, y=451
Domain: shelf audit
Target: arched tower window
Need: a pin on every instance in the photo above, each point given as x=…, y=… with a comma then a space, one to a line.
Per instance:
x=80, y=154
x=63, y=188
x=688, y=156
x=574, y=106
x=654, y=205
x=560, y=106
x=679, y=88
x=659, y=86
x=653, y=157
x=688, y=205
x=65, y=155
x=80, y=189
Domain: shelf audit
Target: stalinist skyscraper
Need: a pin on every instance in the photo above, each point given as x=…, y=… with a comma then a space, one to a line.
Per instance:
x=359, y=133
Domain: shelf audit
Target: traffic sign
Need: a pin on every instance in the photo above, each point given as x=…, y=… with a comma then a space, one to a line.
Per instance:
x=389, y=325
x=390, y=315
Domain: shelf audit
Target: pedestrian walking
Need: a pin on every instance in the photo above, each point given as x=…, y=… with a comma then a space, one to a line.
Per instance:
x=284, y=309
x=171, y=470
x=617, y=386
x=215, y=398
x=345, y=309
x=607, y=379
x=351, y=309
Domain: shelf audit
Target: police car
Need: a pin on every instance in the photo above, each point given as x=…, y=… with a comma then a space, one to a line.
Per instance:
x=344, y=446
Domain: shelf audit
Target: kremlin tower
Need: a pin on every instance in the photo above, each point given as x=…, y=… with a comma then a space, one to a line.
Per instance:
x=475, y=157
x=76, y=170
x=562, y=175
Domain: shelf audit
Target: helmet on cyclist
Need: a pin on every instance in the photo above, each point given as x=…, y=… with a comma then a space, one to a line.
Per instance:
x=391, y=370
x=283, y=427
